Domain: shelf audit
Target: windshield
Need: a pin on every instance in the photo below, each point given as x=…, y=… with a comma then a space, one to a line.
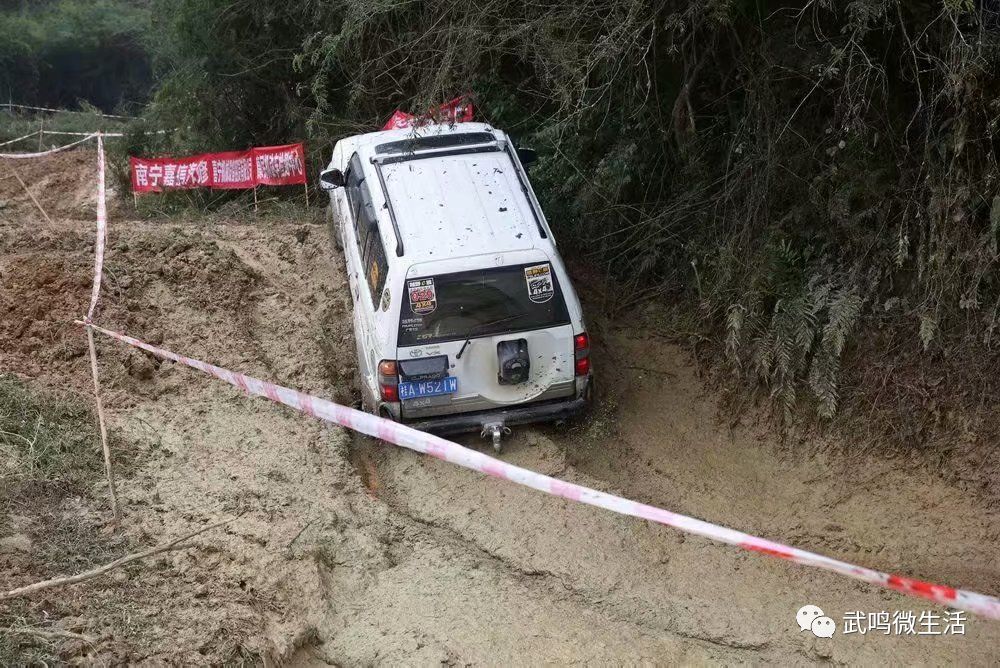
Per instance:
x=453, y=307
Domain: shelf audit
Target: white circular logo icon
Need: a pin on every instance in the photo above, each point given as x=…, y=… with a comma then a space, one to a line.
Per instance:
x=811, y=618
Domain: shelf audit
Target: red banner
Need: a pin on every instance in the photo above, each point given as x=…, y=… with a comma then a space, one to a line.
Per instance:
x=233, y=170
x=458, y=110
x=264, y=166
x=158, y=174
x=280, y=165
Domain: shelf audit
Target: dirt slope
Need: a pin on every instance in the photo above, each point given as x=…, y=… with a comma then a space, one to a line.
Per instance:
x=354, y=552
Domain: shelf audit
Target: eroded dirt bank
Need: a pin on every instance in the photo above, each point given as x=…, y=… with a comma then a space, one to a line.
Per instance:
x=353, y=552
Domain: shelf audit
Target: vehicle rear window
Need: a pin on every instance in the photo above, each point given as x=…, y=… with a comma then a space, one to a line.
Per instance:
x=450, y=307
x=437, y=141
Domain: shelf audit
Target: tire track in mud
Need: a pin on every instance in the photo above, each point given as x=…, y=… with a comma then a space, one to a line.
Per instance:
x=557, y=586
x=464, y=624
x=568, y=571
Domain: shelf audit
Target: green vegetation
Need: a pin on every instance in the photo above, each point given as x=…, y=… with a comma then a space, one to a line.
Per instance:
x=812, y=184
x=55, y=54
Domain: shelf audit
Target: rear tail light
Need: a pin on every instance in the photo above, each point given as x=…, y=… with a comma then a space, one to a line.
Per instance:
x=388, y=380
x=581, y=353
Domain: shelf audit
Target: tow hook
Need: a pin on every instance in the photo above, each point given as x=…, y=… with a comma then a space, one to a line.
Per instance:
x=496, y=430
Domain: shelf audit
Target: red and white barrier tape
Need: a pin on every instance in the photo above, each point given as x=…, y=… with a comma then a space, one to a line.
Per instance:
x=12, y=106
x=102, y=226
x=21, y=156
x=14, y=141
x=102, y=229
x=407, y=437
x=81, y=134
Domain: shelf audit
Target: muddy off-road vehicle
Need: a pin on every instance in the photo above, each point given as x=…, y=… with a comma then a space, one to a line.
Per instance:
x=464, y=316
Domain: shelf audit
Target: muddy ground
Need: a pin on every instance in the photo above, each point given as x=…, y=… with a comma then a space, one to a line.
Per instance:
x=351, y=551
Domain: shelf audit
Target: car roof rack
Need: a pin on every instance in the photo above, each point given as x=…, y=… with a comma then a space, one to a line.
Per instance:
x=388, y=205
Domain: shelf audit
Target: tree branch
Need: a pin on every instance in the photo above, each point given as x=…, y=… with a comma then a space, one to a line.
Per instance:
x=101, y=570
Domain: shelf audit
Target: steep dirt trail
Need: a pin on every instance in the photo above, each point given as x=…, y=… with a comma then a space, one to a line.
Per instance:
x=350, y=551
x=669, y=451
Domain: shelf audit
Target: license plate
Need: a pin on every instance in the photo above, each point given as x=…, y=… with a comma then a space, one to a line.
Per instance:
x=428, y=388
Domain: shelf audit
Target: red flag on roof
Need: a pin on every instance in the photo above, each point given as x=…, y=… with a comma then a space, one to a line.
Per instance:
x=458, y=110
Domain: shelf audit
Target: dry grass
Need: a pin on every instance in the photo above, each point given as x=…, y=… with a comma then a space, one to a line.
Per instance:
x=42, y=437
x=50, y=479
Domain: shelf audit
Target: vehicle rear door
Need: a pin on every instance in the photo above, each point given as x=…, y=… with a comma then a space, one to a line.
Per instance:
x=504, y=331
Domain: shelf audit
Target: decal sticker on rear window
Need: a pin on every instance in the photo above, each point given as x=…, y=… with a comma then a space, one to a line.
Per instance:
x=539, y=280
x=411, y=325
x=423, y=298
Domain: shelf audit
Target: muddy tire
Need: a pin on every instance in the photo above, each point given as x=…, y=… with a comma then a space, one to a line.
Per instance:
x=590, y=399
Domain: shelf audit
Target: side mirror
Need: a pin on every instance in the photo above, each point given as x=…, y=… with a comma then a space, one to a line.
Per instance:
x=330, y=179
x=527, y=156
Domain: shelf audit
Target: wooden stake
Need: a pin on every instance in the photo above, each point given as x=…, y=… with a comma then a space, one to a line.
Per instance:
x=101, y=570
x=14, y=174
x=255, y=199
x=306, y=184
x=109, y=471
x=41, y=132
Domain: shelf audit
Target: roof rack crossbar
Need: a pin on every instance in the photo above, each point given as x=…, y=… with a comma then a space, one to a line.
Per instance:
x=524, y=188
x=439, y=153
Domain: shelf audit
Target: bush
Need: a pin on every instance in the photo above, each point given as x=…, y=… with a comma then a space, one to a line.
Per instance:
x=56, y=54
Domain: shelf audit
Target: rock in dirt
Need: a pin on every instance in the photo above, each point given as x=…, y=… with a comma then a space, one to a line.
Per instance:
x=139, y=365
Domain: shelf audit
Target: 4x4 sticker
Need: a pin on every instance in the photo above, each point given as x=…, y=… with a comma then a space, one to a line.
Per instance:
x=539, y=280
x=423, y=298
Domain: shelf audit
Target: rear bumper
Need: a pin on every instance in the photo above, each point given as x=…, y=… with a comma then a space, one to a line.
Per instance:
x=548, y=411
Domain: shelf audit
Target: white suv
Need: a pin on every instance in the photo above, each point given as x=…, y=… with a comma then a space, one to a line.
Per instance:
x=464, y=316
